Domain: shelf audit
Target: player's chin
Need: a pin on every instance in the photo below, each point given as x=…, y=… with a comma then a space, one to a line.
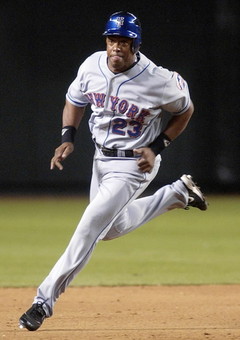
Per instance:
x=116, y=61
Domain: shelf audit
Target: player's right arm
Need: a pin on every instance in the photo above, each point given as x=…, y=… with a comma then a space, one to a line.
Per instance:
x=72, y=116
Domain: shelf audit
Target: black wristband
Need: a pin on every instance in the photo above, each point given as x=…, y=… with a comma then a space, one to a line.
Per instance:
x=68, y=134
x=160, y=143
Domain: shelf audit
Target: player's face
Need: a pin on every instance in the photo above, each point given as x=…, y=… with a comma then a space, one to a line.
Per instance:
x=119, y=51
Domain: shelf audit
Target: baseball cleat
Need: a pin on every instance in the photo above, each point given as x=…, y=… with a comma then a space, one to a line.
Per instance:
x=33, y=318
x=196, y=198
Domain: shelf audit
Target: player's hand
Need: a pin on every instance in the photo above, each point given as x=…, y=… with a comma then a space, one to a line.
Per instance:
x=146, y=160
x=62, y=152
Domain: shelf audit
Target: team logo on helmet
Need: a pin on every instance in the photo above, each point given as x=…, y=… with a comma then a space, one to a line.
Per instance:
x=120, y=21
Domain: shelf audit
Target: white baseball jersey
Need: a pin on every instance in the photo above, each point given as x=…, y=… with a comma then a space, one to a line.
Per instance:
x=126, y=107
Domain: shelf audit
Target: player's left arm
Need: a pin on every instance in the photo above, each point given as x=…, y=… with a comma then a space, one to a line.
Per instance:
x=176, y=125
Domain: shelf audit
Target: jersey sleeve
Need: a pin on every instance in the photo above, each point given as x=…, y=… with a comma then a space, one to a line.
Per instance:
x=75, y=93
x=176, y=97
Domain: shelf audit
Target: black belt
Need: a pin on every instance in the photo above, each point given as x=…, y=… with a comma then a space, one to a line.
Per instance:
x=116, y=152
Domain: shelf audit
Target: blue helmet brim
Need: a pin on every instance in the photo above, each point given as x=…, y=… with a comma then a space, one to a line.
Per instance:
x=122, y=33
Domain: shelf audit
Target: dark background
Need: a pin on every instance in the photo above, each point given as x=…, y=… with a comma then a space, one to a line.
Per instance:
x=42, y=46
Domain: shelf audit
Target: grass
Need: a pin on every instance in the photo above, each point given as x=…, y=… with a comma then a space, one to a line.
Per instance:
x=180, y=247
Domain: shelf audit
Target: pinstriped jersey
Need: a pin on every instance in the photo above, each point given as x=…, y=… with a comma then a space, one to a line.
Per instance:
x=127, y=107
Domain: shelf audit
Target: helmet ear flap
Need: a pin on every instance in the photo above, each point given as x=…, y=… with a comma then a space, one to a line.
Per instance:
x=135, y=46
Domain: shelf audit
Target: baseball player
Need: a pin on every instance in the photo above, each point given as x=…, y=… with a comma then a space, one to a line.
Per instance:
x=128, y=94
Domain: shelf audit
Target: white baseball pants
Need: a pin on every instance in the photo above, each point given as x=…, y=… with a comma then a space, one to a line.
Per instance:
x=113, y=211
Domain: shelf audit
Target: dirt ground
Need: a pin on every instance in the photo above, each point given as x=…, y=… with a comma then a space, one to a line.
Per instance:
x=136, y=313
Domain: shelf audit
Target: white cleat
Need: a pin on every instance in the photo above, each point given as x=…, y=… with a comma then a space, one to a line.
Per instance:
x=196, y=198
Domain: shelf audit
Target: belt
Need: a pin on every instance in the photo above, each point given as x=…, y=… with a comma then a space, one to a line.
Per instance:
x=115, y=152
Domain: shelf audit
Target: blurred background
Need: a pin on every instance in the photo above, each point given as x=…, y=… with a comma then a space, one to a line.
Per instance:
x=42, y=46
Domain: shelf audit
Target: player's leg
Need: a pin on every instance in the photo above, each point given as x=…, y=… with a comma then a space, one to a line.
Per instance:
x=96, y=177
x=142, y=210
x=183, y=193
x=116, y=191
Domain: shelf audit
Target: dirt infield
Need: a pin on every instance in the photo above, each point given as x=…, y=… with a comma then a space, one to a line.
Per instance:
x=136, y=313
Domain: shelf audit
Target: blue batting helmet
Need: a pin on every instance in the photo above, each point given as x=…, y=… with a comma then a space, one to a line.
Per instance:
x=125, y=24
